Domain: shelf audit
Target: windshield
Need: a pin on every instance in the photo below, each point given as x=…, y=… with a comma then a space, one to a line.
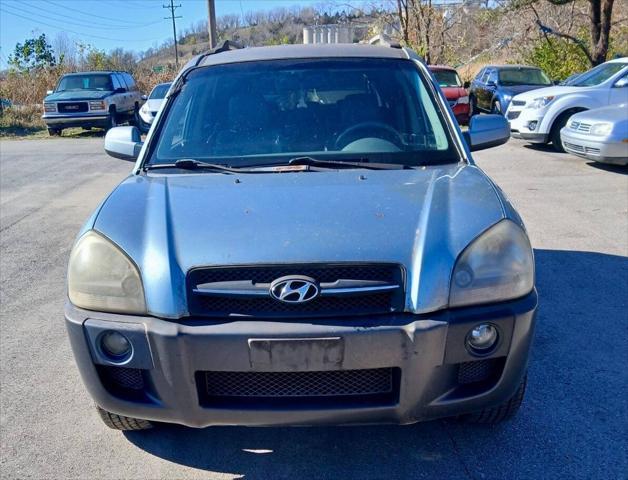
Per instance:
x=522, y=76
x=85, y=82
x=260, y=113
x=447, y=78
x=159, y=91
x=598, y=74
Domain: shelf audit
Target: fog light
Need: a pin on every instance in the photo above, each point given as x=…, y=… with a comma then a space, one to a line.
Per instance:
x=532, y=125
x=115, y=345
x=482, y=338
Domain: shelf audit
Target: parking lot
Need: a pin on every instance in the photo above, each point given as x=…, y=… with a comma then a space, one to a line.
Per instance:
x=573, y=423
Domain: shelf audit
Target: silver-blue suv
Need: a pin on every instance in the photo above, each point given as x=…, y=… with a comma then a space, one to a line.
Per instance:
x=304, y=239
x=99, y=99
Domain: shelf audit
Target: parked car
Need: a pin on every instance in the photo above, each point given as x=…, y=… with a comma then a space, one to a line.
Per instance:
x=600, y=134
x=92, y=99
x=494, y=86
x=306, y=256
x=152, y=105
x=454, y=90
x=539, y=116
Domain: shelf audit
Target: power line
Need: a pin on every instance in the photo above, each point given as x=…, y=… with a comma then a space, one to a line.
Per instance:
x=172, y=8
x=3, y=7
x=87, y=14
x=64, y=19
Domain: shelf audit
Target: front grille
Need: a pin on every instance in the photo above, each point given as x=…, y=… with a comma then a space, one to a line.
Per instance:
x=337, y=386
x=513, y=115
x=580, y=126
x=217, y=305
x=72, y=107
x=519, y=103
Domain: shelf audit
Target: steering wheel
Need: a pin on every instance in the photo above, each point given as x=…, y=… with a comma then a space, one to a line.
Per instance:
x=386, y=132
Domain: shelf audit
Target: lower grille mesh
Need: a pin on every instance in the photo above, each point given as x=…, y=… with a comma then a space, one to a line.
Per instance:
x=374, y=381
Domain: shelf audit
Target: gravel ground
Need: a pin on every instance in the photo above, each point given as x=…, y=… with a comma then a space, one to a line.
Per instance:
x=573, y=423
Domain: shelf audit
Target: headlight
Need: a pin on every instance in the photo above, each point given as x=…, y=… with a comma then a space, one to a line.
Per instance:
x=101, y=277
x=601, y=128
x=539, y=102
x=463, y=100
x=97, y=105
x=50, y=107
x=497, y=266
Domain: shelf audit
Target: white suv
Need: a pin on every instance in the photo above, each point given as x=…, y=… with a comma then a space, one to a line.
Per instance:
x=537, y=116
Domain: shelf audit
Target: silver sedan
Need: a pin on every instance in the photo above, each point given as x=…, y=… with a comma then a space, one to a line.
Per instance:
x=600, y=134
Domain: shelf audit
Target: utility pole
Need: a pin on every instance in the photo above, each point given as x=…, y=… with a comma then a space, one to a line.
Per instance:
x=172, y=8
x=211, y=23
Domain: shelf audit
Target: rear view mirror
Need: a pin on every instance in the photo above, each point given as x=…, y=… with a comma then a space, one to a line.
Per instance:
x=120, y=90
x=491, y=83
x=144, y=97
x=49, y=92
x=123, y=142
x=486, y=131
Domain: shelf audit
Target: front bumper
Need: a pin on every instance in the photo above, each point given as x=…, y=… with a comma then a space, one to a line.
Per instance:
x=70, y=121
x=426, y=351
x=599, y=149
x=521, y=119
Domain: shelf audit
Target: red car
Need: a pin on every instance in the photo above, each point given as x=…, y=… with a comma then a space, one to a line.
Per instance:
x=455, y=91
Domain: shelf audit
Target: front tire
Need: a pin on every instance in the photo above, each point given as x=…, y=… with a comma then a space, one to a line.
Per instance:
x=120, y=422
x=502, y=412
x=54, y=132
x=559, y=123
x=112, y=120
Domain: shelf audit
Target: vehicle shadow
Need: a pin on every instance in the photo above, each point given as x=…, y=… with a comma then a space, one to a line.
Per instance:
x=576, y=375
x=609, y=168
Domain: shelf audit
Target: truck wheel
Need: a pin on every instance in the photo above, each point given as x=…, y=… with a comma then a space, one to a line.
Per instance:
x=502, y=412
x=112, y=121
x=120, y=422
x=54, y=132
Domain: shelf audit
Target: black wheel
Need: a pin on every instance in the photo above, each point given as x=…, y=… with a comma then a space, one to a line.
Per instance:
x=559, y=123
x=497, y=107
x=136, y=117
x=87, y=128
x=55, y=132
x=112, y=119
x=473, y=106
x=502, y=412
x=120, y=422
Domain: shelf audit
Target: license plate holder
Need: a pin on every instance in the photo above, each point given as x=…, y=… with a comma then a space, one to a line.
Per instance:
x=296, y=354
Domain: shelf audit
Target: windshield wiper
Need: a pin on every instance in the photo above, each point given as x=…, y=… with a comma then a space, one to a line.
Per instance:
x=354, y=163
x=191, y=164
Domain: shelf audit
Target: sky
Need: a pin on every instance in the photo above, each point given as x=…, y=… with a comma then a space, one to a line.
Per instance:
x=107, y=24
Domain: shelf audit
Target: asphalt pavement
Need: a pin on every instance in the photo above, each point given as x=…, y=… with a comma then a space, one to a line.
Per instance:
x=573, y=423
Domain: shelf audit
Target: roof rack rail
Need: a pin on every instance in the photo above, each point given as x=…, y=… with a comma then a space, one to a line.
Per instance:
x=384, y=40
x=225, y=46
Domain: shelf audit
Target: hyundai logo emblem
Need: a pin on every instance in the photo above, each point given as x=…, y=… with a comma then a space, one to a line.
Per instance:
x=294, y=289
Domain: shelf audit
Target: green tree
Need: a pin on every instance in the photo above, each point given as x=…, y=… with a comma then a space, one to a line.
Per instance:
x=33, y=54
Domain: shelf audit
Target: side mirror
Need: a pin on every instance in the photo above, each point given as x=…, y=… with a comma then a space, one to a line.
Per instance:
x=622, y=82
x=144, y=97
x=466, y=84
x=491, y=83
x=124, y=143
x=486, y=131
x=49, y=92
x=120, y=90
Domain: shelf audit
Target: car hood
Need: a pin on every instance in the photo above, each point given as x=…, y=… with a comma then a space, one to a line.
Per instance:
x=517, y=89
x=77, y=95
x=454, y=93
x=153, y=104
x=612, y=113
x=421, y=219
x=549, y=92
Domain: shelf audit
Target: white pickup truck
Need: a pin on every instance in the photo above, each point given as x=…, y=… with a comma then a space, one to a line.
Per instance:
x=538, y=116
